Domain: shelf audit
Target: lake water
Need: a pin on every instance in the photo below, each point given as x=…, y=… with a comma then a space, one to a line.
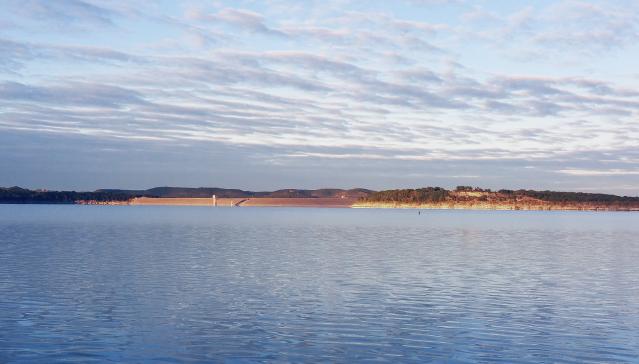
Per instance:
x=238, y=285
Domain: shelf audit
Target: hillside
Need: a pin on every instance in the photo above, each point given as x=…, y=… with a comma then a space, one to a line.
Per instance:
x=206, y=192
x=19, y=195
x=465, y=197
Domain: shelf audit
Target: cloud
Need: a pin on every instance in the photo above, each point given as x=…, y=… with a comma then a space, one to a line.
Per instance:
x=587, y=25
x=584, y=27
x=73, y=94
x=382, y=93
x=14, y=54
x=355, y=32
x=241, y=18
x=599, y=172
x=64, y=12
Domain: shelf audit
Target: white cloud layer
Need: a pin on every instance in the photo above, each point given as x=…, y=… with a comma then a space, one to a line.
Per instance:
x=413, y=93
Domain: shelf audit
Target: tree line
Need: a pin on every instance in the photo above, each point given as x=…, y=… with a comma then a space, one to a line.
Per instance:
x=19, y=195
x=577, y=197
x=438, y=194
x=420, y=195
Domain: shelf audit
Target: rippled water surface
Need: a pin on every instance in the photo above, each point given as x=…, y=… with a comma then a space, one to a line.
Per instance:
x=200, y=284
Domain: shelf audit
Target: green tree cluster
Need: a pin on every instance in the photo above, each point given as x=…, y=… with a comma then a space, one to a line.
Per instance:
x=420, y=195
x=19, y=195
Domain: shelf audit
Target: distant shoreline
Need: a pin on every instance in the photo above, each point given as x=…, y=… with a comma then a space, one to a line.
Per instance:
x=330, y=203
x=461, y=198
x=353, y=203
x=492, y=207
x=231, y=202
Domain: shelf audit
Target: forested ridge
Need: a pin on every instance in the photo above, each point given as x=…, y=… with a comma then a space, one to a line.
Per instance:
x=19, y=195
x=426, y=195
x=474, y=194
x=420, y=195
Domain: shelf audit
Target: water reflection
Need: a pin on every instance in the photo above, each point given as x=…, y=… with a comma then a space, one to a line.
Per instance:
x=176, y=284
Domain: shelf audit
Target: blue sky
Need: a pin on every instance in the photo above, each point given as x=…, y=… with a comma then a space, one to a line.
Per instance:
x=275, y=94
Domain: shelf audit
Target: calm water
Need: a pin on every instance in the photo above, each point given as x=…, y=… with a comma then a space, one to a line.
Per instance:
x=197, y=284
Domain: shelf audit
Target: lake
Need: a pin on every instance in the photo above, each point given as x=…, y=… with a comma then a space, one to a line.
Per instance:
x=241, y=285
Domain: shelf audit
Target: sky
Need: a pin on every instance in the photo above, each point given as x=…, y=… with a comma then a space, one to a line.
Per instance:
x=272, y=94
